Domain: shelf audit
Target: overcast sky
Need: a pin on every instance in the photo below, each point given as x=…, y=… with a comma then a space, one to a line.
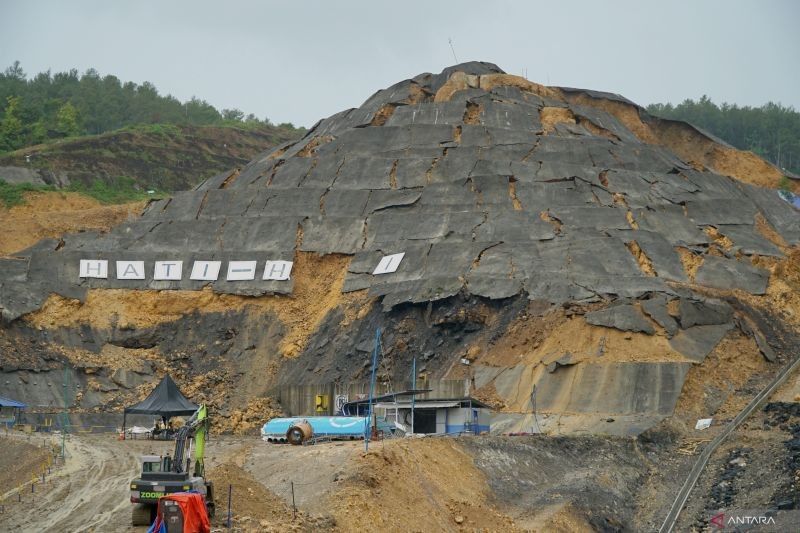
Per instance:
x=301, y=61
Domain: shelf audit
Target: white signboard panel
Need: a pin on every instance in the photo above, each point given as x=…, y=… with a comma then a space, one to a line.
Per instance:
x=94, y=268
x=703, y=423
x=168, y=270
x=130, y=269
x=206, y=270
x=278, y=270
x=389, y=264
x=241, y=270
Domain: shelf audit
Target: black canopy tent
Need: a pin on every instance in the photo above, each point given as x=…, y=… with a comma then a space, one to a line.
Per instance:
x=165, y=400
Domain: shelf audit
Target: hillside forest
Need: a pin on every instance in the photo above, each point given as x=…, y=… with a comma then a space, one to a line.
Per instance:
x=68, y=104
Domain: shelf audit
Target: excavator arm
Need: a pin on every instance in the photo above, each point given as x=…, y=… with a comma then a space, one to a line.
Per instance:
x=196, y=428
x=200, y=442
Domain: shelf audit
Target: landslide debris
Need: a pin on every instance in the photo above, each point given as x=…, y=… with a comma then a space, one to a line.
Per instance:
x=50, y=215
x=254, y=507
x=248, y=421
x=434, y=477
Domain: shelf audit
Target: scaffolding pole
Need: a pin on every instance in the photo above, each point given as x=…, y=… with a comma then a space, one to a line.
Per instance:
x=413, y=388
x=372, y=389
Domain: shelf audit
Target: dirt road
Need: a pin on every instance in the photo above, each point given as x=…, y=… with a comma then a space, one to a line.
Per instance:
x=89, y=493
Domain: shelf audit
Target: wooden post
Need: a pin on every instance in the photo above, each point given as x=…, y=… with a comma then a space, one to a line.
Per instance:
x=294, y=507
x=230, y=493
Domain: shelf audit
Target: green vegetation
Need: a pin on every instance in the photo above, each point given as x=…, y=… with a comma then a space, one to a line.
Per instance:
x=68, y=104
x=164, y=130
x=12, y=194
x=772, y=131
x=119, y=190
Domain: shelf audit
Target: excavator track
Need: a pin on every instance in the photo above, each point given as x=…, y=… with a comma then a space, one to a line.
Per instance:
x=142, y=514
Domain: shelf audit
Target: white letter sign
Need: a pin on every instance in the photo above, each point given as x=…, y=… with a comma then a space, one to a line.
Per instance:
x=206, y=270
x=94, y=268
x=241, y=270
x=388, y=264
x=130, y=269
x=168, y=270
x=279, y=270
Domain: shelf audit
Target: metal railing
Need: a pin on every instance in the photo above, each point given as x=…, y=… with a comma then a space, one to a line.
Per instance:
x=705, y=455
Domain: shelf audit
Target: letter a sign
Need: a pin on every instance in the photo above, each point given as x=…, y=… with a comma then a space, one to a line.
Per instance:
x=130, y=269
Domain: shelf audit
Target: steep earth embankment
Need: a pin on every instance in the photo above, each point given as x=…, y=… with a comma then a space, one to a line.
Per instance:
x=558, y=240
x=162, y=157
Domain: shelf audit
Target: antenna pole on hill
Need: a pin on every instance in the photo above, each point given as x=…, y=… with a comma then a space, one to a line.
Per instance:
x=449, y=40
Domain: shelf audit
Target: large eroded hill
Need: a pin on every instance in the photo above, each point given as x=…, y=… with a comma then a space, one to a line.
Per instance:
x=555, y=240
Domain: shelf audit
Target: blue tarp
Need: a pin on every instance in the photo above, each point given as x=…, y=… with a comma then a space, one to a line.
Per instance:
x=790, y=197
x=8, y=402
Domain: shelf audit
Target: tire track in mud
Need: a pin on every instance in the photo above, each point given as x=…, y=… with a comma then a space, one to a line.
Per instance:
x=91, y=493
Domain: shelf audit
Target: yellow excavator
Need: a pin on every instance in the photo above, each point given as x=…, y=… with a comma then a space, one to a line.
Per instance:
x=163, y=475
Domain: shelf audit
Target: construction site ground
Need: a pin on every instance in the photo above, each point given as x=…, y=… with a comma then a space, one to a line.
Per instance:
x=523, y=483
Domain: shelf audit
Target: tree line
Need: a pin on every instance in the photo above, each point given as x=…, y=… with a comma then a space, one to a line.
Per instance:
x=65, y=104
x=772, y=130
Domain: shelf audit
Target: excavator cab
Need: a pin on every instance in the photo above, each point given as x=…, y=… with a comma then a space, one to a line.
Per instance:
x=153, y=463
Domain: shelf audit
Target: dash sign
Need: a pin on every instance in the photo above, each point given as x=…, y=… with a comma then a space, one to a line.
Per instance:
x=241, y=270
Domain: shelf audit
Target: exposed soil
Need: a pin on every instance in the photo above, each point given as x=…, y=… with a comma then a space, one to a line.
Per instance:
x=489, y=81
x=248, y=421
x=716, y=388
x=23, y=459
x=644, y=262
x=550, y=116
x=783, y=291
x=721, y=240
x=460, y=81
x=625, y=113
x=254, y=507
x=695, y=147
x=689, y=144
x=424, y=485
x=53, y=214
x=534, y=340
x=769, y=233
x=318, y=281
x=383, y=114
x=691, y=261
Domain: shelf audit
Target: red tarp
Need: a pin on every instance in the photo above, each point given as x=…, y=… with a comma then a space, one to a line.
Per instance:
x=195, y=516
